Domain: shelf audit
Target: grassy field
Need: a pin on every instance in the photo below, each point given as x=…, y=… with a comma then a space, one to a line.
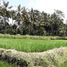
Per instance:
x=31, y=45
x=33, y=37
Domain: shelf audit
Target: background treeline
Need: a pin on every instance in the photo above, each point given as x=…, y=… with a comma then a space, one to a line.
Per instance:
x=31, y=22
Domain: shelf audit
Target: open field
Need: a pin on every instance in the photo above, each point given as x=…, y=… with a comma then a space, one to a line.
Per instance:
x=31, y=45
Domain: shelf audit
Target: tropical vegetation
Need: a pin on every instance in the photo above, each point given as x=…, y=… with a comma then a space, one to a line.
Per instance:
x=31, y=22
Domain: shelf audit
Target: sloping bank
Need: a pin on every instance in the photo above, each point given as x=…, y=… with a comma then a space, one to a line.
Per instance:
x=51, y=58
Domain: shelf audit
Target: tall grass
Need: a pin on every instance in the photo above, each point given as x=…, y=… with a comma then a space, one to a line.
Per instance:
x=31, y=45
x=33, y=37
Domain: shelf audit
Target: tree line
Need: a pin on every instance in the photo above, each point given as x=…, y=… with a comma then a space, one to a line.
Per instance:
x=31, y=22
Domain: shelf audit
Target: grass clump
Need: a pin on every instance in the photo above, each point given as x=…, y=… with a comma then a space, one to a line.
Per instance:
x=5, y=64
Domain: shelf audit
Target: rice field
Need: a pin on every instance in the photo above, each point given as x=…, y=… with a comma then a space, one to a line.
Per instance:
x=31, y=45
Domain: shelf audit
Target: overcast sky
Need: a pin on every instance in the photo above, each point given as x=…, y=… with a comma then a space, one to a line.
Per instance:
x=42, y=5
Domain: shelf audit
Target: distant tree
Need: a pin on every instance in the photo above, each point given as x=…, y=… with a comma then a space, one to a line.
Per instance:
x=60, y=14
x=31, y=22
x=19, y=14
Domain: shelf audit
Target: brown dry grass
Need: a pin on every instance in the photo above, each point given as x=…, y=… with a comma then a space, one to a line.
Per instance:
x=51, y=58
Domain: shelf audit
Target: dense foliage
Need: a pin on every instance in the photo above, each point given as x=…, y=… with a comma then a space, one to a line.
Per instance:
x=31, y=22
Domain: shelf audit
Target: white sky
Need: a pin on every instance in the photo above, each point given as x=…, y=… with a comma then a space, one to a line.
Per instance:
x=49, y=5
x=42, y=5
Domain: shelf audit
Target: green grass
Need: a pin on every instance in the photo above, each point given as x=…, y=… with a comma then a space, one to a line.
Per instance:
x=64, y=65
x=31, y=45
x=5, y=64
x=33, y=37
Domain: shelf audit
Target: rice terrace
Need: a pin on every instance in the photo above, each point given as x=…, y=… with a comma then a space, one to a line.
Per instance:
x=32, y=35
x=55, y=50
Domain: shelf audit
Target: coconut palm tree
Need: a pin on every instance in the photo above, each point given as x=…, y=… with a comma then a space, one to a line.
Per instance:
x=4, y=12
x=19, y=14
